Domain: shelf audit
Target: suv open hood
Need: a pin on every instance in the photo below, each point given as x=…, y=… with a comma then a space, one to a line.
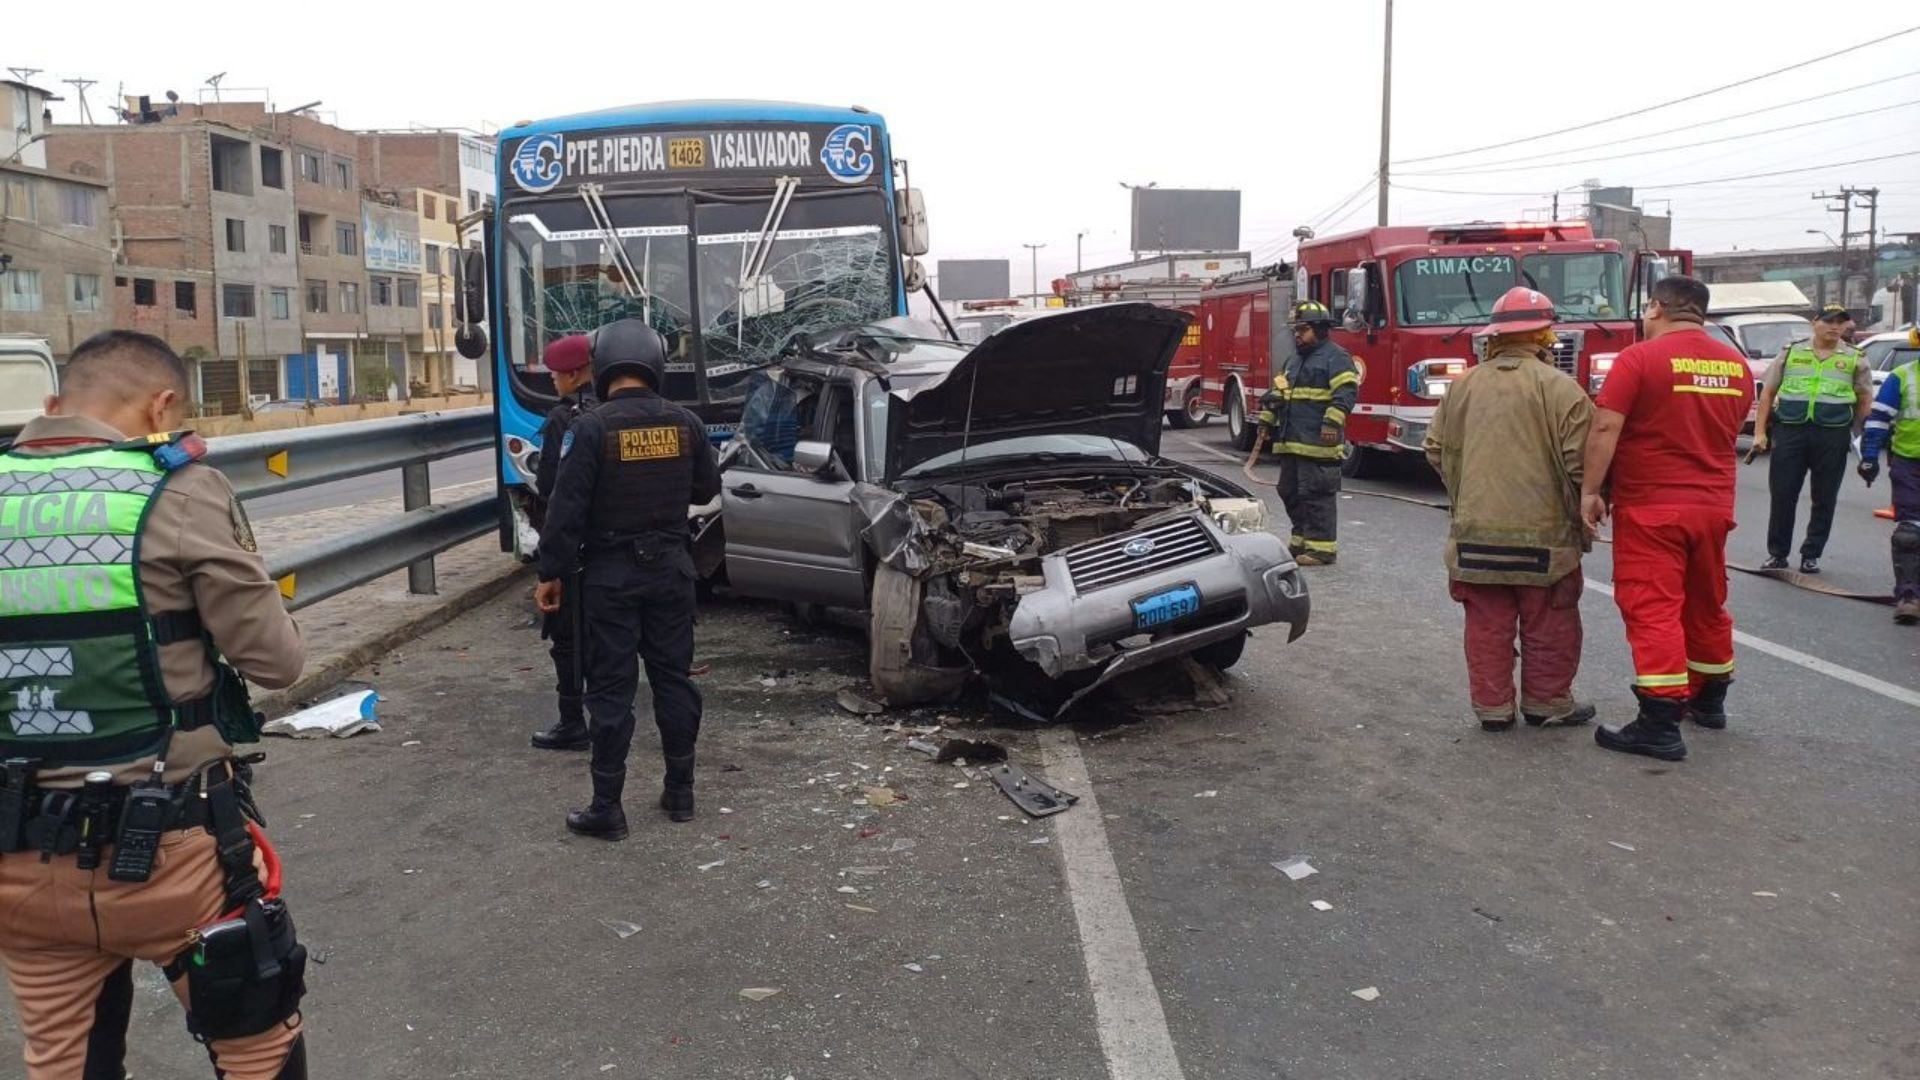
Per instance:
x=1095, y=371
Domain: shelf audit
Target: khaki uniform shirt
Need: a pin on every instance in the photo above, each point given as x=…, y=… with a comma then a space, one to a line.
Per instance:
x=196, y=553
x=1508, y=440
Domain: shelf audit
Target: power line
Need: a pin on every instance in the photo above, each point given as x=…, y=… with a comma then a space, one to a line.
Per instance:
x=1683, y=183
x=1664, y=149
x=1643, y=110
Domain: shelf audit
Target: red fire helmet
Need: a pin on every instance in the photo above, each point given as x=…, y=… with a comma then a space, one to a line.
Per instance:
x=1520, y=310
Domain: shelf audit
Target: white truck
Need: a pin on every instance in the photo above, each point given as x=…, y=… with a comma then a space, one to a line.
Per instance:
x=27, y=378
x=1763, y=318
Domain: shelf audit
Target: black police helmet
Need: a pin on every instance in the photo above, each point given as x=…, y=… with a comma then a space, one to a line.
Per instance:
x=628, y=346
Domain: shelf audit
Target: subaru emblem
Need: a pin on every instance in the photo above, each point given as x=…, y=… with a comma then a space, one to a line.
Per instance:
x=1139, y=547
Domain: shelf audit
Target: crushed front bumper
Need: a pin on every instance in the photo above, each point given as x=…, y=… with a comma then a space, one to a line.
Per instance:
x=1247, y=580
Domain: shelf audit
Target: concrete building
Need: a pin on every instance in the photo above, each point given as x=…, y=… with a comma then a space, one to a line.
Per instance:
x=1613, y=215
x=390, y=226
x=439, y=240
x=203, y=214
x=24, y=118
x=1817, y=270
x=56, y=257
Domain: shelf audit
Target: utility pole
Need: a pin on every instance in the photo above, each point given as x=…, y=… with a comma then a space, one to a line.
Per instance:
x=1845, y=209
x=1077, y=237
x=1873, y=242
x=1844, y=206
x=1034, y=250
x=1386, y=111
x=80, y=92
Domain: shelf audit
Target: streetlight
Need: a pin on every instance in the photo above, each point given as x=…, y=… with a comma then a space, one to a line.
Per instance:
x=1034, y=250
x=1077, y=237
x=1823, y=232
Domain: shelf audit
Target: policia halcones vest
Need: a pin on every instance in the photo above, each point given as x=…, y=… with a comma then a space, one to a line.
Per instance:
x=1815, y=391
x=80, y=676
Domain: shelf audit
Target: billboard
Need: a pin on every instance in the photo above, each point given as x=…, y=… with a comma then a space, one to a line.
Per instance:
x=391, y=238
x=1185, y=219
x=972, y=279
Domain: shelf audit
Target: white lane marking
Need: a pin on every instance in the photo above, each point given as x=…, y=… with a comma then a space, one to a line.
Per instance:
x=1132, y=1026
x=1812, y=663
x=1792, y=656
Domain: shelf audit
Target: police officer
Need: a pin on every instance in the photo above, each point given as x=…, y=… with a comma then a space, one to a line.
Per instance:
x=129, y=573
x=567, y=358
x=1814, y=398
x=1307, y=412
x=634, y=465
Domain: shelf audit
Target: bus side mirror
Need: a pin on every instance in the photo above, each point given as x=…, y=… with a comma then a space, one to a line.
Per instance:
x=470, y=301
x=913, y=222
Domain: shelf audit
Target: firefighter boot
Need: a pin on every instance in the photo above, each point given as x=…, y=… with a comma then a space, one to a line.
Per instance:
x=567, y=733
x=676, y=796
x=1708, y=707
x=603, y=818
x=1655, y=733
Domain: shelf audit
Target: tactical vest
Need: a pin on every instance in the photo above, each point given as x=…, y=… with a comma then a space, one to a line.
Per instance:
x=646, y=467
x=1815, y=391
x=1906, y=426
x=79, y=653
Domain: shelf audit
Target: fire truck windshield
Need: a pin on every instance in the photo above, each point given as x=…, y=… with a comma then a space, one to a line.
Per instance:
x=1458, y=290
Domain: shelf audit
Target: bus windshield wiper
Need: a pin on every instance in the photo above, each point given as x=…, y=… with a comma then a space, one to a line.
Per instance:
x=753, y=259
x=616, y=248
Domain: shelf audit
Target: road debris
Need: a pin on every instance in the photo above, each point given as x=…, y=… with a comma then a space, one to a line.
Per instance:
x=904, y=844
x=622, y=927
x=848, y=890
x=1621, y=846
x=863, y=910
x=1296, y=868
x=915, y=968
x=1769, y=895
x=1367, y=993
x=759, y=993
x=977, y=751
x=922, y=746
x=1487, y=915
x=858, y=705
x=1030, y=793
x=726, y=809
x=341, y=718
x=410, y=742
x=704, y=867
x=881, y=796
x=1206, y=795
x=763, y=884
x=1321, y=905
x=1039, y=840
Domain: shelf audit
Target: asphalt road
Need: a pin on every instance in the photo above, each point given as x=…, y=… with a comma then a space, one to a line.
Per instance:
x=477, y=465
x=1525, y=904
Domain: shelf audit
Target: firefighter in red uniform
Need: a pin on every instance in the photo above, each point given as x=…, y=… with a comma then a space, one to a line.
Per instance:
x=1664, y=433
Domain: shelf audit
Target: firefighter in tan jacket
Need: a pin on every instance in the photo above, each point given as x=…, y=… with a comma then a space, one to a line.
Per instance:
x=1507, y=439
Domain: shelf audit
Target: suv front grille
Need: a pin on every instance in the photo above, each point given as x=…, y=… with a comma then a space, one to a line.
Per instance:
x=1104, y=562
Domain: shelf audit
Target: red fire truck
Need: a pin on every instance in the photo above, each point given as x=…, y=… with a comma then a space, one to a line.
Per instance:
x=1410, y=299
x=1185, y=409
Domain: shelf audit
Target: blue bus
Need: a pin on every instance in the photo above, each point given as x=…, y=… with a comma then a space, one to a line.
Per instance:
x=729, y=226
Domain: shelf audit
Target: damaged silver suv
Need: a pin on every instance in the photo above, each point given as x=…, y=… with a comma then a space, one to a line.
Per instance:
x=999, y=511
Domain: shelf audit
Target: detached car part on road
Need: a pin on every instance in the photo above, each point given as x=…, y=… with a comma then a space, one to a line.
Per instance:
x=999, y=510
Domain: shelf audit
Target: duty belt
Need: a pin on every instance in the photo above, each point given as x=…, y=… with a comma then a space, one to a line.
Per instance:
x=51, y=818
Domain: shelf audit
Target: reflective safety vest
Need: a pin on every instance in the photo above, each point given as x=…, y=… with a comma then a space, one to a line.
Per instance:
x=1815, y=391
x=1906, y=426
x=79, y=654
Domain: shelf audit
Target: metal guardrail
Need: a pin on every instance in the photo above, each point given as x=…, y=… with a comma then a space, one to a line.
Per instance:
x=268, y=462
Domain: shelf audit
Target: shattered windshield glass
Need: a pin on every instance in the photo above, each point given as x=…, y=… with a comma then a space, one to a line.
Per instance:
x=563, y=276
x=829, y=263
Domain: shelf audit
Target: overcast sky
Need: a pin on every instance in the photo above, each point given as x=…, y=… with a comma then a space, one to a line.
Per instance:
x=1021, y=119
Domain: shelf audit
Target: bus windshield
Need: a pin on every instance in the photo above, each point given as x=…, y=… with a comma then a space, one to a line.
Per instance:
x=1582, y=285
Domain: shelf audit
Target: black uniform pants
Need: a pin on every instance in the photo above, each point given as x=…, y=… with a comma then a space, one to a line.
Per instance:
x=560, y=629
x=639, y=608
x=1799, y=450
x=1310, y=489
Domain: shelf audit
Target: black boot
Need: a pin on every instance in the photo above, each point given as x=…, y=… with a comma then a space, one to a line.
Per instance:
x=603, y=818
x=567, y=733
x=676, y=798
x=1655, y=733
x=1708, y=708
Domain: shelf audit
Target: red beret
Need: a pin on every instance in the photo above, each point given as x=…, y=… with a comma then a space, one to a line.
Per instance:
x=566, y=353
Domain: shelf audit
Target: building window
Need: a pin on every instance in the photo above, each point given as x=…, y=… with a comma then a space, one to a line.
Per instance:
x=453, y=211
x=317, y=297
x=236, y=234
x=433, y=258
x=143, y=292
x=381, y=289
x=473, y=200
x=277, y=239
x=79, y=206
x=350, y=298
x=83, y=291
x=236, y=301
x=435, y=317
x=409, y=293
x=185, y=298
x=343, y=174
x=428, y=204
x=310, y=166
x=280, y=303
x=347, y=236
x=16, y=199
x=273, y=166
x=20, y=290
x=232, y=165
